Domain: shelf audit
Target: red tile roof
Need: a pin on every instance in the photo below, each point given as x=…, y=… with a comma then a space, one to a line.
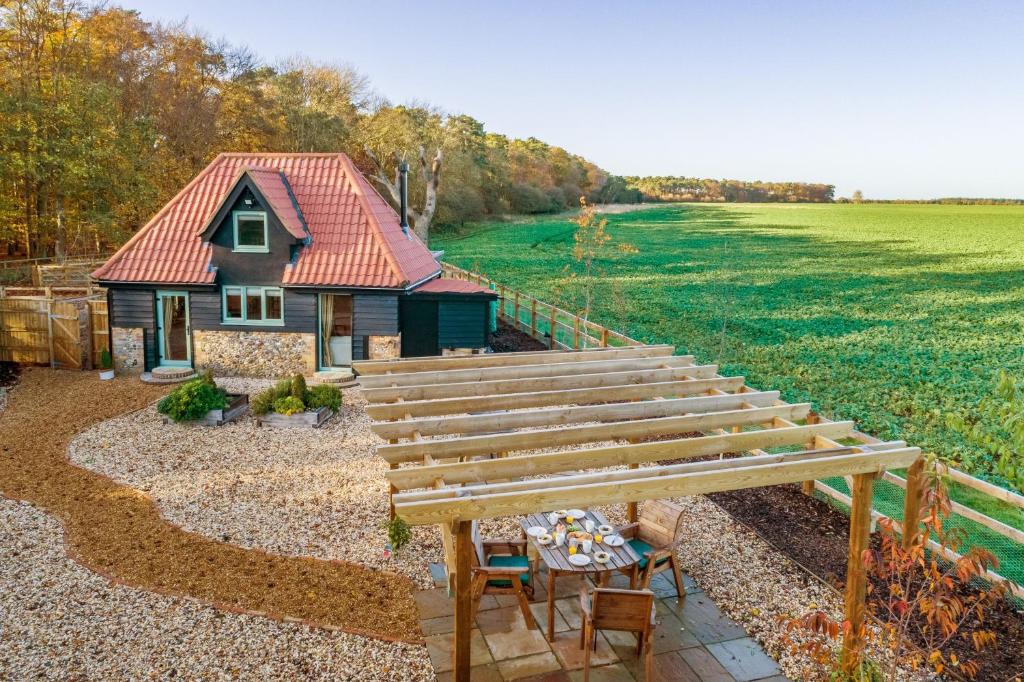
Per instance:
x=356, y=237
x=451, y=286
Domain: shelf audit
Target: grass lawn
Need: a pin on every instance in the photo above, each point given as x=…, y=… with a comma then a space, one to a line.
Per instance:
x=892, y=315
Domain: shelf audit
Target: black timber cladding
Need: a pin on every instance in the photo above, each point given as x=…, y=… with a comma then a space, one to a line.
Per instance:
x=463, y=324
x=136, y=308
x=205, y=308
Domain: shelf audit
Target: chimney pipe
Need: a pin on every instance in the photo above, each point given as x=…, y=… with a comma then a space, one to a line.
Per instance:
x=403, y=190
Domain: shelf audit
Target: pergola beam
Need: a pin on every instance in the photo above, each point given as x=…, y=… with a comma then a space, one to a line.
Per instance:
x=501, y=421
x=452, y=376
x=615, y=455
x=647, y=488
x=467, y=446
x=438, y=391
x=425, y=408
x=614, y=475
x=366, y=367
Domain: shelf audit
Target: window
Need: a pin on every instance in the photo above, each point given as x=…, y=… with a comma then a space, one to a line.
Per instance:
x=250, y=231
x=253, y=305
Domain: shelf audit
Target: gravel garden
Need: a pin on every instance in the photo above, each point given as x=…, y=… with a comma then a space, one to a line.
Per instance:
x=244, y=550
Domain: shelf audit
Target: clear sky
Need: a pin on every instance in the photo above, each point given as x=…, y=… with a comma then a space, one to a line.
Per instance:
x=898, y=99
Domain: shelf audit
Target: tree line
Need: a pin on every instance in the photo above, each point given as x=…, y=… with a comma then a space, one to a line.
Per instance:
x=105, y=116
x=676, y=188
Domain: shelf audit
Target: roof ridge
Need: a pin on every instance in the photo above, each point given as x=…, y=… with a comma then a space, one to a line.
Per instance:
x=371, y=218
x=159, y=216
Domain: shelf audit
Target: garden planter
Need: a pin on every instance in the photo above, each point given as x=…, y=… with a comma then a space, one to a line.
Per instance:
x=238, y=404
x=309, y=418
x=106, y=374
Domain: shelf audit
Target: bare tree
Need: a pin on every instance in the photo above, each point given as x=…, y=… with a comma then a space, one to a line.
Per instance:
x=431, y=174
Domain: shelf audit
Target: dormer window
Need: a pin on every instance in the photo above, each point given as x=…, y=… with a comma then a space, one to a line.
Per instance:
x=250, y=229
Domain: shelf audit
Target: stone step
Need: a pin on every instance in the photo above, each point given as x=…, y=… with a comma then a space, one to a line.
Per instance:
x=172, y=372
x=150, y=378
x=340, y=378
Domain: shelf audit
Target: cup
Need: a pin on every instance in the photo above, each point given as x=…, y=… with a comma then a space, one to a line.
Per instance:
x=552, y=518
x=589, y=525
x=559, y=539
x=587, y=546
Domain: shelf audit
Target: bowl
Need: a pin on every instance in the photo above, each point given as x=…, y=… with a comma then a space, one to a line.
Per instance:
x=606, y=529
x=602, y=557
x=545, y=539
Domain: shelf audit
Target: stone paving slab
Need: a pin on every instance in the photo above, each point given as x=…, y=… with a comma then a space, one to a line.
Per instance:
x=694, y=642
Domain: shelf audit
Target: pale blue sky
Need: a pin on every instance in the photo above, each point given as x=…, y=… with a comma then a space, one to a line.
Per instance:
x=898, y=99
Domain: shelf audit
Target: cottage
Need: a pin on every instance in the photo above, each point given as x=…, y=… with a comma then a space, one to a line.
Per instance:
x=268, y=264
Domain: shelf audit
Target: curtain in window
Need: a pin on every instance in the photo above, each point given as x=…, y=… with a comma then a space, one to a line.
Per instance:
x=168, y=312
x=326, y=325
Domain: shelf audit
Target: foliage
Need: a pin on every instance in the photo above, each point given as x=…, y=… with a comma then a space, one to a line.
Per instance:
x=823, y=302
x=323, y=395
x=920, y=596
x=590, y=241
x=264, y=401
x=106, y=361
x=298, y=390
x=399, y=533
x=996, y=427
x=670, y=188
x=104, y=117
x=288, y=405
x=192, y=400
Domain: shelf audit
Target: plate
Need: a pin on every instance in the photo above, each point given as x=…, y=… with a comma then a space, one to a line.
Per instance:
x=536, y=531
x=577, y=513
x=579, y=560
x=606, y=530
x=615, y=541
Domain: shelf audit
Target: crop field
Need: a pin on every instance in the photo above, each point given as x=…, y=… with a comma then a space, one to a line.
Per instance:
x=893, y=315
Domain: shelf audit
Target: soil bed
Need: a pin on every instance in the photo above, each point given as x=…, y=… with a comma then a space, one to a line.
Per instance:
x=816, y=536
x=508, y=339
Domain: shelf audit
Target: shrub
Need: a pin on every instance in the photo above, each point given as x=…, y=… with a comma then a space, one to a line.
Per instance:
x=323, y=395
x=106, y=361
x=207, y=378
x=298, y=387
x=192, y=401
x=264, y=401
x=288, y=405
x=399, y=533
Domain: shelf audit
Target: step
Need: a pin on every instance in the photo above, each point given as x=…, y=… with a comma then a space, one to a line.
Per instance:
x=335, y=377
x=161, y=375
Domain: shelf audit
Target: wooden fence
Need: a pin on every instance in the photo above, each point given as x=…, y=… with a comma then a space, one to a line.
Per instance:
x=558, y=329
x=537, y=318
x=69, y=273
x=69, y=333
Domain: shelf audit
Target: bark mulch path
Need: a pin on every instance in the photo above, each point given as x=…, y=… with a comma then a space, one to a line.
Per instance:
x=117, y=531
x=817, y=536
x=508, y=339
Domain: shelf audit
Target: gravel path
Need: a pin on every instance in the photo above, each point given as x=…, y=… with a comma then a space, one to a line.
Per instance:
x=118, y=531
x=61, y=621
x=301, y=492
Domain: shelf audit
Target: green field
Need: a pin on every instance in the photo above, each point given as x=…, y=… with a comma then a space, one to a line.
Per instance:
x=892, y=315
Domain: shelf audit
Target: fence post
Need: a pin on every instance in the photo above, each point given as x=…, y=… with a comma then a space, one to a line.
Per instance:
x=604, y=337
x=515, y=311
x=554, y=330
x=49, y=326
x=533, y=318
x=576, y=332
x=912, y=503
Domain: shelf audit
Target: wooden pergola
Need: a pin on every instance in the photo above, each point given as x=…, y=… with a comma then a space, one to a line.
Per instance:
x=483, y=436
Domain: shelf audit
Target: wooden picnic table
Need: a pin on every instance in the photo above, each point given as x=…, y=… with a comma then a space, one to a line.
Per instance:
x=556, y=558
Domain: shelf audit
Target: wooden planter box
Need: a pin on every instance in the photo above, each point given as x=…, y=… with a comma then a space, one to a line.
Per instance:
x=310, y=418
x=238, y=404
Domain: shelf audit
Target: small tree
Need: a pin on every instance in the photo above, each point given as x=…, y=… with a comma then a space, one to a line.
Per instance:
x=997, y=428
x=858, y=196
x=589, y=243
x=918, y=592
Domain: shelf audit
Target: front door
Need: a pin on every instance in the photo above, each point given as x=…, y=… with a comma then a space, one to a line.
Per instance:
x=172, y=329
x=335, y=331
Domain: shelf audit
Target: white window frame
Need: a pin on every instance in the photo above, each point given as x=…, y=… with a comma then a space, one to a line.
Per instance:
x=243, y=248
x=245, y=292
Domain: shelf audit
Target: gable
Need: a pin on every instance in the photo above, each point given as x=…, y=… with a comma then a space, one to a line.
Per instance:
x=354, y=236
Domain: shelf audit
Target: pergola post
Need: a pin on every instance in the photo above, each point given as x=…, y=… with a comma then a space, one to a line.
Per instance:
x=856, y=574
x=463, y=600
x=912, y=503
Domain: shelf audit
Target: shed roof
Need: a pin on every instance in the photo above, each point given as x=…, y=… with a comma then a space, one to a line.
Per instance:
x=355, y=236
x=452, y=286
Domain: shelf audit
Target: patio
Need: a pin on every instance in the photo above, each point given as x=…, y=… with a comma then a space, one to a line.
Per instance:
x=695, y=642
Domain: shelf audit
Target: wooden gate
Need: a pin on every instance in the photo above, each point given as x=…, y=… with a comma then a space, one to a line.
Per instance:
x=66, y=335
